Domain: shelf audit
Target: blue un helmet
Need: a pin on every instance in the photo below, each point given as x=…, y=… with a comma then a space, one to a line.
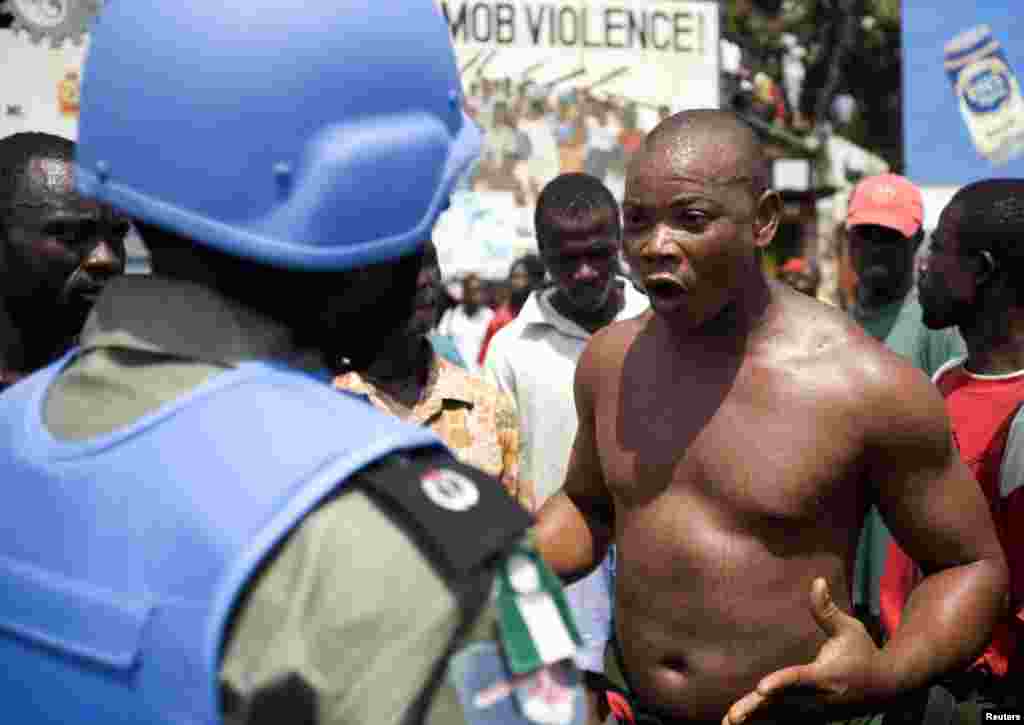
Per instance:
x=321, y=135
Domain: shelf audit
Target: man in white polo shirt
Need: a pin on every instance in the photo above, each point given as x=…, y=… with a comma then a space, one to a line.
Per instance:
x=534, y=357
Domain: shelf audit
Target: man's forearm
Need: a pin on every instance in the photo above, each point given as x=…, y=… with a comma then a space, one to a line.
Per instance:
x=571, y=543
x=948, y=620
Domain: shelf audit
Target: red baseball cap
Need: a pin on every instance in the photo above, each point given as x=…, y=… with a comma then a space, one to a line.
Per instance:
x=887, y=200
x=794, y=265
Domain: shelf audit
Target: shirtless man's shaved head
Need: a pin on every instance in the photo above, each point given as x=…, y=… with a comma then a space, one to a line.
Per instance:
x=730, y=443
x=721, y=133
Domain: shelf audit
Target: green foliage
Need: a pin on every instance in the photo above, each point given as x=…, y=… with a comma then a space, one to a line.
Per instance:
x=870, y=70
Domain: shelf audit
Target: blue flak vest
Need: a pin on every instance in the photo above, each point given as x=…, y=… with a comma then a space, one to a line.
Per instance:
x=121, y=557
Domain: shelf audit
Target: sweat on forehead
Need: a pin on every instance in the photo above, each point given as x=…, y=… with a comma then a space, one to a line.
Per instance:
x=720, y=136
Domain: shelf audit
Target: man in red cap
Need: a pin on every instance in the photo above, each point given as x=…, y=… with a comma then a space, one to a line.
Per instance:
x=884, y=228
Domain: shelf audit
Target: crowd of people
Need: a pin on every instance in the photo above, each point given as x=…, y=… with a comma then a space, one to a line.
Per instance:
x=274, y=479
x=534, y=132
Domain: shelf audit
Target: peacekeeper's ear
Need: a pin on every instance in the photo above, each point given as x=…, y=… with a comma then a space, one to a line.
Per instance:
x=767, y=217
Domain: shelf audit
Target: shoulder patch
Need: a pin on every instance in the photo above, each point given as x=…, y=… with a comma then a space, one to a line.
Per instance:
x=460, y=516
x=490, y=694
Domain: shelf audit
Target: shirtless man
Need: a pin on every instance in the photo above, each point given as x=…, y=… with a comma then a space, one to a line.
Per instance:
x=730, y=442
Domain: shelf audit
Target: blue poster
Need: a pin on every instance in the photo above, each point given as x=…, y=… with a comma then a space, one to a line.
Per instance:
x=963, y=91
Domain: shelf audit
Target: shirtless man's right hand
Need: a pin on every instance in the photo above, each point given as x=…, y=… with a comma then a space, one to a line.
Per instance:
x=848, y=662
x=731, y=442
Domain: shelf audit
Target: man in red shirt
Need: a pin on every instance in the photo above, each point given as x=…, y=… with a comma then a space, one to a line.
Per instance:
x=972, y=278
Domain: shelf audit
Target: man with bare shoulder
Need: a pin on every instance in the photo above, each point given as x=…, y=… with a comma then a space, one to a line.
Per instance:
x=730, y=442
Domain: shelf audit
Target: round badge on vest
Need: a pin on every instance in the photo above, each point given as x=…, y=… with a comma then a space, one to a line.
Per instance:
x=450, y=489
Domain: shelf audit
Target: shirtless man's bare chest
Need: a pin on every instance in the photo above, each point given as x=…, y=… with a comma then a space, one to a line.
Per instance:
x=734, y=484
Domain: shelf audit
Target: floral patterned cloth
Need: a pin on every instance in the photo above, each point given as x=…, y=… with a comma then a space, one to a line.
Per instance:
x=475, y=419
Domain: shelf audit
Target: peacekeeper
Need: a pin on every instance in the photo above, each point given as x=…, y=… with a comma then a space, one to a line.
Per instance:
x=199, y=528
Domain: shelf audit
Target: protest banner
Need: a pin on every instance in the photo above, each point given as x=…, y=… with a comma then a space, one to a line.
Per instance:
x=562, y=87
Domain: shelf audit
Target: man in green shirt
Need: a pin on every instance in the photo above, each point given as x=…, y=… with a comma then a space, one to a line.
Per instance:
x=884, y=228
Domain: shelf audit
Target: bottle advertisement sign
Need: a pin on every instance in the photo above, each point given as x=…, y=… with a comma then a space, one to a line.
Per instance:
x=963, y=108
